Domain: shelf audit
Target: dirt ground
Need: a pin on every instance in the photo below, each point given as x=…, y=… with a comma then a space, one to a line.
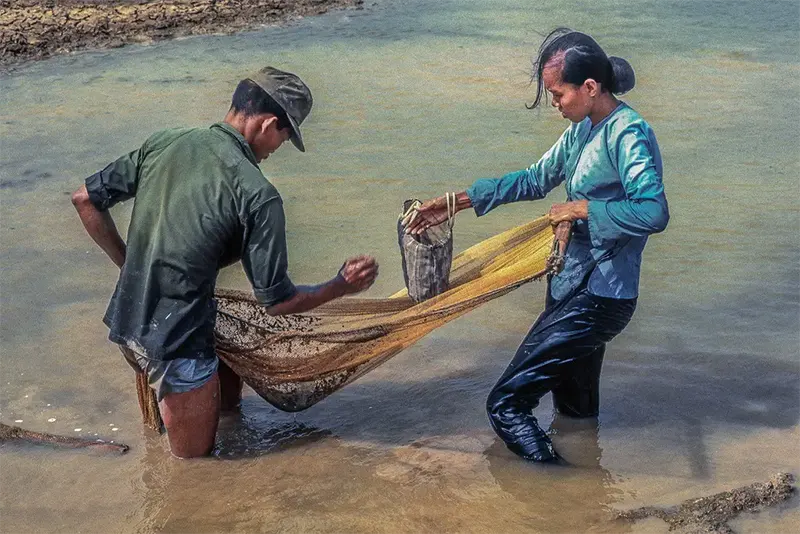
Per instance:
x=36, y=29
x=710, y=515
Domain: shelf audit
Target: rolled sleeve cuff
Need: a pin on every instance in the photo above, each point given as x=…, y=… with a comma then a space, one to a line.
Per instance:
x=276, y=293
x=601, y=227
x=98, y=195
x=481, y=194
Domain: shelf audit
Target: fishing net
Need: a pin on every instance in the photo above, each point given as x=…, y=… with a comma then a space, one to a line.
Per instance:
x=295, y=361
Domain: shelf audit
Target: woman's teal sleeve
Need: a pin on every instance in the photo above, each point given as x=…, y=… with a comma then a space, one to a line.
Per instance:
x=529, y=184
x=644, y=211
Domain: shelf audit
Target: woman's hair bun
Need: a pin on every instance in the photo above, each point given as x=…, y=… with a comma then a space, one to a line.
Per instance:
x=624, y=78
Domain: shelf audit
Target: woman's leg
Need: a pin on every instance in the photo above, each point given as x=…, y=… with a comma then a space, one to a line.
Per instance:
x=578, y=394
x=566, y=337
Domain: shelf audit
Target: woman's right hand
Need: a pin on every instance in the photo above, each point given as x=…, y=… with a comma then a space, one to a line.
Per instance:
x=434, y=212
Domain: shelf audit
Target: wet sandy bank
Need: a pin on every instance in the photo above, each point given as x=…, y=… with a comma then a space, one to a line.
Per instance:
x=36, y=29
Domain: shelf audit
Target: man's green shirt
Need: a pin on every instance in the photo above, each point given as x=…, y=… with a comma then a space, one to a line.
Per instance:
x=200, y=203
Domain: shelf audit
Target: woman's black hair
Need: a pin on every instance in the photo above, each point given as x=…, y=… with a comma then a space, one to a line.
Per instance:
x=582, y=59
x=250, y=99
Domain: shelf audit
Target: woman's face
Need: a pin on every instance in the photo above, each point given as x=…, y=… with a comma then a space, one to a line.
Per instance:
x=573, y=101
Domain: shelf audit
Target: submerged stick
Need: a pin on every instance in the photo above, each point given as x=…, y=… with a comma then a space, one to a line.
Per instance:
x=711, y=514
x=15, y=433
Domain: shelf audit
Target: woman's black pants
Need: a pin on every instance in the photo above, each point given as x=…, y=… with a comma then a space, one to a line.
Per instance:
x=562, y=353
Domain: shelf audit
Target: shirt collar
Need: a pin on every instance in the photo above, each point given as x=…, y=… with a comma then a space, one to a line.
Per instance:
x=239, y=138
x=622, y=105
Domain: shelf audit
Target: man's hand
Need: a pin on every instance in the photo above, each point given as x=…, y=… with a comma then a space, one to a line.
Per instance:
x=357, y=274
x=568, y=211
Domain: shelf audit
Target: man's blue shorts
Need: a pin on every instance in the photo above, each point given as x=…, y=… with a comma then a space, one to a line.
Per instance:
x=172, y=376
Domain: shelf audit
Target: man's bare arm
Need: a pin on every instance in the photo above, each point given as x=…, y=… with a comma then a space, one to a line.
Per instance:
x=356, y=275
x=100, y=226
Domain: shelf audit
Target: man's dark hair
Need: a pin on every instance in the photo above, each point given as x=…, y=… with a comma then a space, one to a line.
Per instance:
x=251, y=99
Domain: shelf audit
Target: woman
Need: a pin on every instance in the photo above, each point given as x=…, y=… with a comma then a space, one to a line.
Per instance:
x=609, y=161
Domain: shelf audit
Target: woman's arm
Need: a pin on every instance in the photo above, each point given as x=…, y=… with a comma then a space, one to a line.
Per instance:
x=644, y=210
x=485, y=194
x=532, y=183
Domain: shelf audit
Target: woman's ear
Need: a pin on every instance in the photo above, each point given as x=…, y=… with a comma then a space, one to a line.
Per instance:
x=592, y=87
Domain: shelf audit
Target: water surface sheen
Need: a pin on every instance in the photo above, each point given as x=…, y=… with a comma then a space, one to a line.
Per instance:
x=413, y=98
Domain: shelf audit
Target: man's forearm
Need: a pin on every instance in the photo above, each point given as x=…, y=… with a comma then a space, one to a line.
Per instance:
x=309, y=297
x=100, y=227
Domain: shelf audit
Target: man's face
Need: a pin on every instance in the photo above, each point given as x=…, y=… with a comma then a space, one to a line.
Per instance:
x=269, y=138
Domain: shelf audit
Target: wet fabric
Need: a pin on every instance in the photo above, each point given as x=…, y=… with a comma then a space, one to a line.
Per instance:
x=200, y=203
x=426, y=258
x=178, y=375
x=616, y=166
x=562, y=353
x=295, y=361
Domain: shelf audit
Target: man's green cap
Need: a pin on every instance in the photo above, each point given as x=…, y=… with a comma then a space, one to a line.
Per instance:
x=291, y=94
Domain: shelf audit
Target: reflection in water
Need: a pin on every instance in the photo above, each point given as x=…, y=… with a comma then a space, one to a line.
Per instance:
x=473, y=474
x=157, y=468
x=580, y=493
x=238, y=439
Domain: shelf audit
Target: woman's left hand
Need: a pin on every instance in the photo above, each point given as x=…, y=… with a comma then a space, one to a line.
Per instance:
x=569, y=211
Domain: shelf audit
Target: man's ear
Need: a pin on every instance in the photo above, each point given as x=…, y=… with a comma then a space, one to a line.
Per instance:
x=592, y=87
x=271, y=119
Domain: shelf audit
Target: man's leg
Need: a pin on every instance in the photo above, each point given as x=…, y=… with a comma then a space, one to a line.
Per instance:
x=189, y=401
x=191, y=419
x=230, y=388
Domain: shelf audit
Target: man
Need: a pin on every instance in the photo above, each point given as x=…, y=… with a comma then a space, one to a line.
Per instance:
x=201, y=203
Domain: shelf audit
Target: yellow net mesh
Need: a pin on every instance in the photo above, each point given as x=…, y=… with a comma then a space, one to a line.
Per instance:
x=295, y=361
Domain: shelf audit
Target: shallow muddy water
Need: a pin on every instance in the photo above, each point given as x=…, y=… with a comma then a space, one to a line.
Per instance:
x=701, y=393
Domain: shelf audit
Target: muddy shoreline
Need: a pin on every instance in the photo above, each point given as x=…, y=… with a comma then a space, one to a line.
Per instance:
x=37, y=29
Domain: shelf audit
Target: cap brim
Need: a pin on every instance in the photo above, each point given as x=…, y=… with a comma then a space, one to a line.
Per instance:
x=296, y=137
